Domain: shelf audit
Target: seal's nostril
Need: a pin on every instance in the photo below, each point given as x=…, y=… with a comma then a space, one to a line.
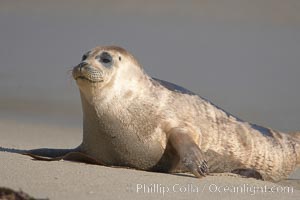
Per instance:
x=82, y=64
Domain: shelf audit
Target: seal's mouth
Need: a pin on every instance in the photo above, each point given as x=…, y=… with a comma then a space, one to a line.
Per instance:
x=86, y=79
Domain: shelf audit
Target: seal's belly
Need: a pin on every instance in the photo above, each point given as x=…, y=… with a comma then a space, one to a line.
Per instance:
x=122, y=150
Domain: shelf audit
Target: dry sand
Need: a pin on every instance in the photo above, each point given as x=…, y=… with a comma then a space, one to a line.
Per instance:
x=70, y=180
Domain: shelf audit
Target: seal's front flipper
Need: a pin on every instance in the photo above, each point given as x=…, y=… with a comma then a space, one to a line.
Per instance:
x=188, y=151
x=71, y=156
x=50, y=153
x=46, y=154
x=249, y=173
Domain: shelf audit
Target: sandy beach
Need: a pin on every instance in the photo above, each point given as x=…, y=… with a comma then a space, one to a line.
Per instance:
x=71, y=180
x=241, y=55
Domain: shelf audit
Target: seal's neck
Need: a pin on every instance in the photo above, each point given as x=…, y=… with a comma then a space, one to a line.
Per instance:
x=123, y=86
x=103, y=112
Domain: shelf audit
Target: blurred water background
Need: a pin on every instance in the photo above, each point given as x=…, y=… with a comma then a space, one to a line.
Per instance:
x=242, y=55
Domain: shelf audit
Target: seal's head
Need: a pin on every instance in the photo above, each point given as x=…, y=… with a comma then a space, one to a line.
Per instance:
x=97, y=65
x=108, y=67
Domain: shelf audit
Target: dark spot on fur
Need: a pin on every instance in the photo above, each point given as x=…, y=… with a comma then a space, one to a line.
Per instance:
x=262, y=130
x=128, y=94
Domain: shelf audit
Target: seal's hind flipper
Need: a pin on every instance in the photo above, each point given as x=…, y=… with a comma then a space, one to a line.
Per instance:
x=249, y=173
x=72, y=156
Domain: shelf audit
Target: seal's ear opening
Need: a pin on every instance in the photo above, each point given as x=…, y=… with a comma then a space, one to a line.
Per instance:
x=105, y=59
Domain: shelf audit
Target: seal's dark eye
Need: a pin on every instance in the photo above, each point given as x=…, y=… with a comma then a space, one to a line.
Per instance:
x=105, y=58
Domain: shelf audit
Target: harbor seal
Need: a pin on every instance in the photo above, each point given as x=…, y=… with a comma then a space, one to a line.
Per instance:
x=133, y=120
